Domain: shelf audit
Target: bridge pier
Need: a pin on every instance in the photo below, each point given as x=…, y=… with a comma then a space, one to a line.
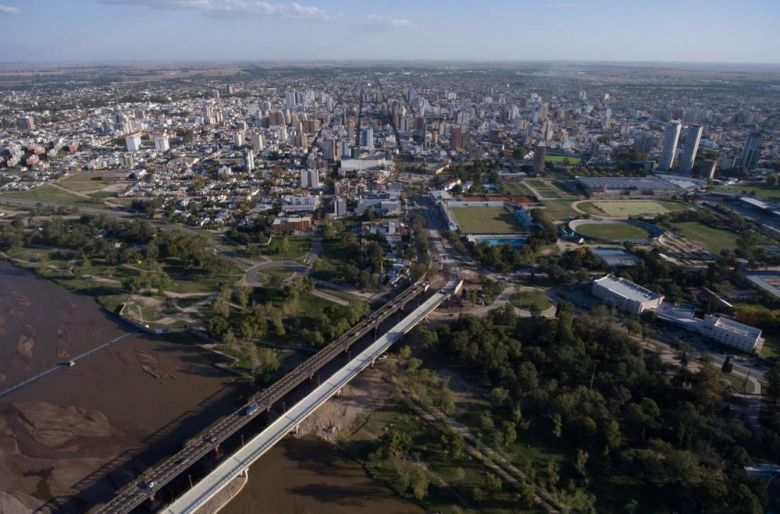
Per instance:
x=338, y=393
x=244, y=473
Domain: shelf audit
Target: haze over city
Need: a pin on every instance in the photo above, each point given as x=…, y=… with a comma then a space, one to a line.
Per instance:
x=487, y=30
x=382, y=257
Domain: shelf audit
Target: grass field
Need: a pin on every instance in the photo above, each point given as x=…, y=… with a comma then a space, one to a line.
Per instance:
x=546, y=189
x=296, y=248
x=561, y=158
x=84, y=182
x=486, y=220
x=766, y=192
x=625, y=208
x=525, y=299
x=516, y=189
x=612, y=231
x=49, y=194
x=714, y=239
x=558, y=210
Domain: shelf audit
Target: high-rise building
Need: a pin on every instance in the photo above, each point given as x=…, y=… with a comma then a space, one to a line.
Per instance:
x=540, y=153
x=238, y=138
x=133, y=142
x=644, y=143
x=310, y=179
x=161, y=143
x=257, y=142
x=330, y=149
x=671, y=135
x=25, y=123
x=688, y=156
x=290, y=99
x=249, y=160
x=367, y=138
x=339, y=207
x=751, y=153
x=456, y=139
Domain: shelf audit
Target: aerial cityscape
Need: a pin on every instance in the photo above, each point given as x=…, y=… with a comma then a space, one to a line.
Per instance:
x=450, y=257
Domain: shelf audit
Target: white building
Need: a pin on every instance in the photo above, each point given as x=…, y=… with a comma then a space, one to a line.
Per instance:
x=692, y=140
x=249, y=160
x=671, y=135
x=292, y=203
x=339, y=207
x=626, y=295
x=238, y=138
x=133, y=142
x=258, y=143
x=161, y=143
x=732, y=333
x=310, y=179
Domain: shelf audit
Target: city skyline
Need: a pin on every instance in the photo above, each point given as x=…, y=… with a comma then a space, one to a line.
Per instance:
x=692, y=31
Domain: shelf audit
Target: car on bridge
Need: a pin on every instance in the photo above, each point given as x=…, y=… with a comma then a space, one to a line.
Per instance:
x=251, y=409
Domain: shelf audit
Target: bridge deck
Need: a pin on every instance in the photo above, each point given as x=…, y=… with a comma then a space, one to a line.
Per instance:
x=260, y=444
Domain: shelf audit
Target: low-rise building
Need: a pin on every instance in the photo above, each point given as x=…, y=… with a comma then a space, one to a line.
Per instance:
x=732, y=333
x=291, y=224
x=626, y=295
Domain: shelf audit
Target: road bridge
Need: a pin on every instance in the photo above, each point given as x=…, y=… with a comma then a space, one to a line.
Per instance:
x=238, y=463
x=138, y=491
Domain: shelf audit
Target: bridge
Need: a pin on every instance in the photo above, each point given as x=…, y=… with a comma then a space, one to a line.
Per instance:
x=140, y=490
x=238, y=463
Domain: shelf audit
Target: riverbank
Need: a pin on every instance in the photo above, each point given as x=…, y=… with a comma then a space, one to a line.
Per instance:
x=69, y=439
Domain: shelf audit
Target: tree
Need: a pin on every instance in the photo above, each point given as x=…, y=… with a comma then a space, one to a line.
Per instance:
x=633, y=327
x=452, y=442
x=773, y=382
x=557, y=425
x=728, y=366
x=527, y=494
x=493, y=483
x=508, y=433
x=580, y=462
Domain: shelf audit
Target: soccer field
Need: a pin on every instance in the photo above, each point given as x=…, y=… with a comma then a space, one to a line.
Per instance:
x=612, y=231
x=625, y=208
x=486, y=220
x=714, y=239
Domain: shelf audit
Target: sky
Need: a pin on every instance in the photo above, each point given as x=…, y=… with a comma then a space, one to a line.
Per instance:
x=70, y=31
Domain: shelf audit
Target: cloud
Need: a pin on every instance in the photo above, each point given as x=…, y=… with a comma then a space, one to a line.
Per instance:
x=242, y=8
x=9, y=9
x=562, y=5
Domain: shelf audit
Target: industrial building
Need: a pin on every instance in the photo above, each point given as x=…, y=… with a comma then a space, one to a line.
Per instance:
x=626, y=295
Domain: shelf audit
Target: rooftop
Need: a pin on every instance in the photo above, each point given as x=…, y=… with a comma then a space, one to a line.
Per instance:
x=627, y=289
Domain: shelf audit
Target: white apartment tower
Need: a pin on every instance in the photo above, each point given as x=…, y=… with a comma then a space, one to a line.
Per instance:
x=133, y=142
x=310, y=179
x=671, y=135
x=161, y=143
x=692, y=140
x=249, y=160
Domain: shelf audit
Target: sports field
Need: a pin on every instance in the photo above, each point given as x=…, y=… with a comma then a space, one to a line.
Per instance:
x=561, y=158
x=486, y=220
x=612, y=231
x=714, y=239
x=626, y=208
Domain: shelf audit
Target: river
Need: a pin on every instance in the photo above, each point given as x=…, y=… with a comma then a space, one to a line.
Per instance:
x=311, y=476
x=69, y=438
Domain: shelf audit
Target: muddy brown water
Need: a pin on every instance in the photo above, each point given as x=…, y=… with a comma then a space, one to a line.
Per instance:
x=311, y=476
x=67, y=439
x=81, y=431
